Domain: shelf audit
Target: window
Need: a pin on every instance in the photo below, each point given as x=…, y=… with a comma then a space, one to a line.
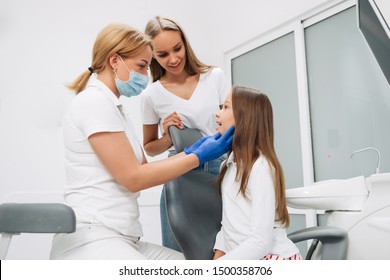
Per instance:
x=349, y=99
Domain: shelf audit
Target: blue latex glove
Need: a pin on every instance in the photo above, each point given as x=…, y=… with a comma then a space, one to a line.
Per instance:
x=194, y=146
x=215, y=146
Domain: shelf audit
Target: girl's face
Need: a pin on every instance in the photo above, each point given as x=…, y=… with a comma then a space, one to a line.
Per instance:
x=225, y=118
x=169, y=51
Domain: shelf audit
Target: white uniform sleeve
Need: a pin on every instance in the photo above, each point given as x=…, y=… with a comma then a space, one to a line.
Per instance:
x=261, y=190
x=101, y=116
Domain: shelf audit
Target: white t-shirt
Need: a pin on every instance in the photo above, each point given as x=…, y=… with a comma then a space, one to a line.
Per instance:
x=249, y=230
x=90, y=189
x=197, y=112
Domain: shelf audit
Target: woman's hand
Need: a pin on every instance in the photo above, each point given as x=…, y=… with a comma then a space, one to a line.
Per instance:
x=172, y=119
x=154, y=145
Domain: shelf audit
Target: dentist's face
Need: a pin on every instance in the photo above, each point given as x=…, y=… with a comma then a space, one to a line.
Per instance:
x=169, y=51
x=138, y=63
x=225, y=118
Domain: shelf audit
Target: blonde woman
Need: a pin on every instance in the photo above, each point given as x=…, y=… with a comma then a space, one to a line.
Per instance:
x=185, y=93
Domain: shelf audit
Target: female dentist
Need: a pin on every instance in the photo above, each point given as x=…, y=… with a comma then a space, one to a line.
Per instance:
x=105, y=165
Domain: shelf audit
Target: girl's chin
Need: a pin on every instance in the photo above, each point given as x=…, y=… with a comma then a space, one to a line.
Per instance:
x=220, y=130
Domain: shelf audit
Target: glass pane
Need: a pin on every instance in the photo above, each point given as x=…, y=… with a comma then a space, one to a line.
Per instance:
x=349, y=100
x=271, y=68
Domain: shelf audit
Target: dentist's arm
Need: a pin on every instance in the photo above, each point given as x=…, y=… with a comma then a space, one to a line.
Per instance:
x=117, y=155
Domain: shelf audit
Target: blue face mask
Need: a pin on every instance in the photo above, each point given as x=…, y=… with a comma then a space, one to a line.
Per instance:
x=134, y=85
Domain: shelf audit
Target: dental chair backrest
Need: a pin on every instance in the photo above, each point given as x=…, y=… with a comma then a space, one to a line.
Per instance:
x=185, y=137
x=194, y=205
x=194, y=209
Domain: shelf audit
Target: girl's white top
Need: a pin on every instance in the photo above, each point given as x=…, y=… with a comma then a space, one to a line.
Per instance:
x=249, y=229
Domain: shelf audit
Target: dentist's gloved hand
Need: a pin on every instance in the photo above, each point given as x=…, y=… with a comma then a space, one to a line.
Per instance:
x=196, y=145
x=213, y=147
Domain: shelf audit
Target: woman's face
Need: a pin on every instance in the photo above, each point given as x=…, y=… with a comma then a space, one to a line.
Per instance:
x=225, y=118
x=138, y=63
x=170, y=52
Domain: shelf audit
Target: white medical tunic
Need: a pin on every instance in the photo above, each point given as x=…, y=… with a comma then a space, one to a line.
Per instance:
x=249, y=230
x=90, y=189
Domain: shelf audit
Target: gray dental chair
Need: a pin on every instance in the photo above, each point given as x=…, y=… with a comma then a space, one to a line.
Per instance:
x=194, y=210
x=17, y=218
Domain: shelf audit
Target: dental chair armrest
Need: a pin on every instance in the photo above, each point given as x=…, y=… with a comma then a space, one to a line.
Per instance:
x=333, y=239
x=16, y=218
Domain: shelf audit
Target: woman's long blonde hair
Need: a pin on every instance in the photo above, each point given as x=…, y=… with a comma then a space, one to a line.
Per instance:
x=114, y=38
x=193, y=64
x=253, y=136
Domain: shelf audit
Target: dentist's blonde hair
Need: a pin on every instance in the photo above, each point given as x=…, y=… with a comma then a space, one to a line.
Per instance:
x=114, y=38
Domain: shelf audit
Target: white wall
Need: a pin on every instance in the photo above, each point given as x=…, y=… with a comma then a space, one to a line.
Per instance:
x=46, y=43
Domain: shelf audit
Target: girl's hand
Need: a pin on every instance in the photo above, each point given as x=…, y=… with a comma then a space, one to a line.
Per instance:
x=218, y=254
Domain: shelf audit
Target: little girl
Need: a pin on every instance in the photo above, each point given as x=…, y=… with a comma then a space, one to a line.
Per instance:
x=251, y=183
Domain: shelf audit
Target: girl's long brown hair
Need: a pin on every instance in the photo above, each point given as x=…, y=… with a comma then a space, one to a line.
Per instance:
x=253, y=136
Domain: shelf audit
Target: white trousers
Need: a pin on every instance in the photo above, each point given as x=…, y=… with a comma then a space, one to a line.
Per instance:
x=97, y=242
